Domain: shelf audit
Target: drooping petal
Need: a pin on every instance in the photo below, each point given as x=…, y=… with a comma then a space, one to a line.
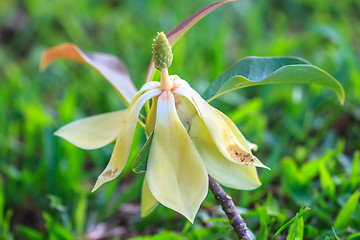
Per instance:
x=122, y=147
x=227, y=173
x=176, y=175
x=111, y=67
x=148, y=201
x=228, y=138
x=93, y=132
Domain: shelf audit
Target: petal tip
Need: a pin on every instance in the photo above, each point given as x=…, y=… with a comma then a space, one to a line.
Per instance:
x=106, y=176
x=98, y=184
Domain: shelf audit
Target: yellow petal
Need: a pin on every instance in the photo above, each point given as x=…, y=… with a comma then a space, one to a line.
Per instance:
x=223, y=131
x=109, y=66
x=151, y=117
x=176, y=175
x=146, y=87
x=122, y=147
x=148, y=202
x=227, y=173
x=93, y=132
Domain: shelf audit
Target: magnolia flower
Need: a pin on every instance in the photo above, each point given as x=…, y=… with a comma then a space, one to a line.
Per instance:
x=190, y=139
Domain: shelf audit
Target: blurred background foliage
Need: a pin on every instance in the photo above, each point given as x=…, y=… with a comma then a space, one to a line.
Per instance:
x=305, y=136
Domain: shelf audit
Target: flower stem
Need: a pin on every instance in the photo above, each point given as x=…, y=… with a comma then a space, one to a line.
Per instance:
x=231, y=211
x=165, y=83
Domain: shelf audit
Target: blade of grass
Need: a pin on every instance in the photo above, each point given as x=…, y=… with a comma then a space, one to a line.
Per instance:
x=301, y=213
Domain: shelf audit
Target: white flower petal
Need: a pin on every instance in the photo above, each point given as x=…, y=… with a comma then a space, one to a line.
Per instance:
x=176, y=175
x=148, y=201
x=227, y=137
x=227, y=173
x=93, y=132
x=121, y=151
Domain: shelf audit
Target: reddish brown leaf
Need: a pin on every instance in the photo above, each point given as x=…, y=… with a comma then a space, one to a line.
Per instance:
x=112, y=68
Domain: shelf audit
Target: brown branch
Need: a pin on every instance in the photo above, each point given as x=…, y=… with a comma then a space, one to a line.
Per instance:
x=231, y=211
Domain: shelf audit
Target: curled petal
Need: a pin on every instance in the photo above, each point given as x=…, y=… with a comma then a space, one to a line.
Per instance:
x=123, y=143
x=252, y=146
x=227, y=173
x=176, y=175
x=146, y=87
x=148, y=202
x=223, y=131
x=109, y=66
x=93, y=132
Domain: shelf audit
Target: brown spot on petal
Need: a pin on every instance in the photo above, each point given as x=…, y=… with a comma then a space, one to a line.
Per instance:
x=240, y=155
x=110, y=174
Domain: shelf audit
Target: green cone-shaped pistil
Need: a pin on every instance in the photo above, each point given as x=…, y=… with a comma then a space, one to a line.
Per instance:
x=162, y=53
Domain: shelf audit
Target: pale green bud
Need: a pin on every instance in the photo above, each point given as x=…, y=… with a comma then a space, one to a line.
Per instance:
x=162, y=53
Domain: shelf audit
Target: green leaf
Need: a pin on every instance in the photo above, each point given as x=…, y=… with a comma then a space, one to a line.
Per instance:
x=159, y=236
x=296, y=230
x=29, y=233
x=264, y=219
x=140, y=161
x=55, y=229
x=326, y=181
x=336, y=236
x=301, y=213
x=354, y=177
x=345, y=213
x=254, y=71
x=80, y=213
x=182, y=28
x=2, y=201
x=293, y=182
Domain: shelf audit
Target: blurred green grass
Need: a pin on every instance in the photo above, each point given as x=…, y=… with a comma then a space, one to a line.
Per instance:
x=303, y=133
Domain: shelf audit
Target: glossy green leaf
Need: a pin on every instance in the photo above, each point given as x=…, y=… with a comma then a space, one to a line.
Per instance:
x=254, y=71
x=345, y=213
x=140, y=161
x=182, y=28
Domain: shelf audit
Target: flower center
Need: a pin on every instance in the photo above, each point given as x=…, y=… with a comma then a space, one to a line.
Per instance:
x=162, y=57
